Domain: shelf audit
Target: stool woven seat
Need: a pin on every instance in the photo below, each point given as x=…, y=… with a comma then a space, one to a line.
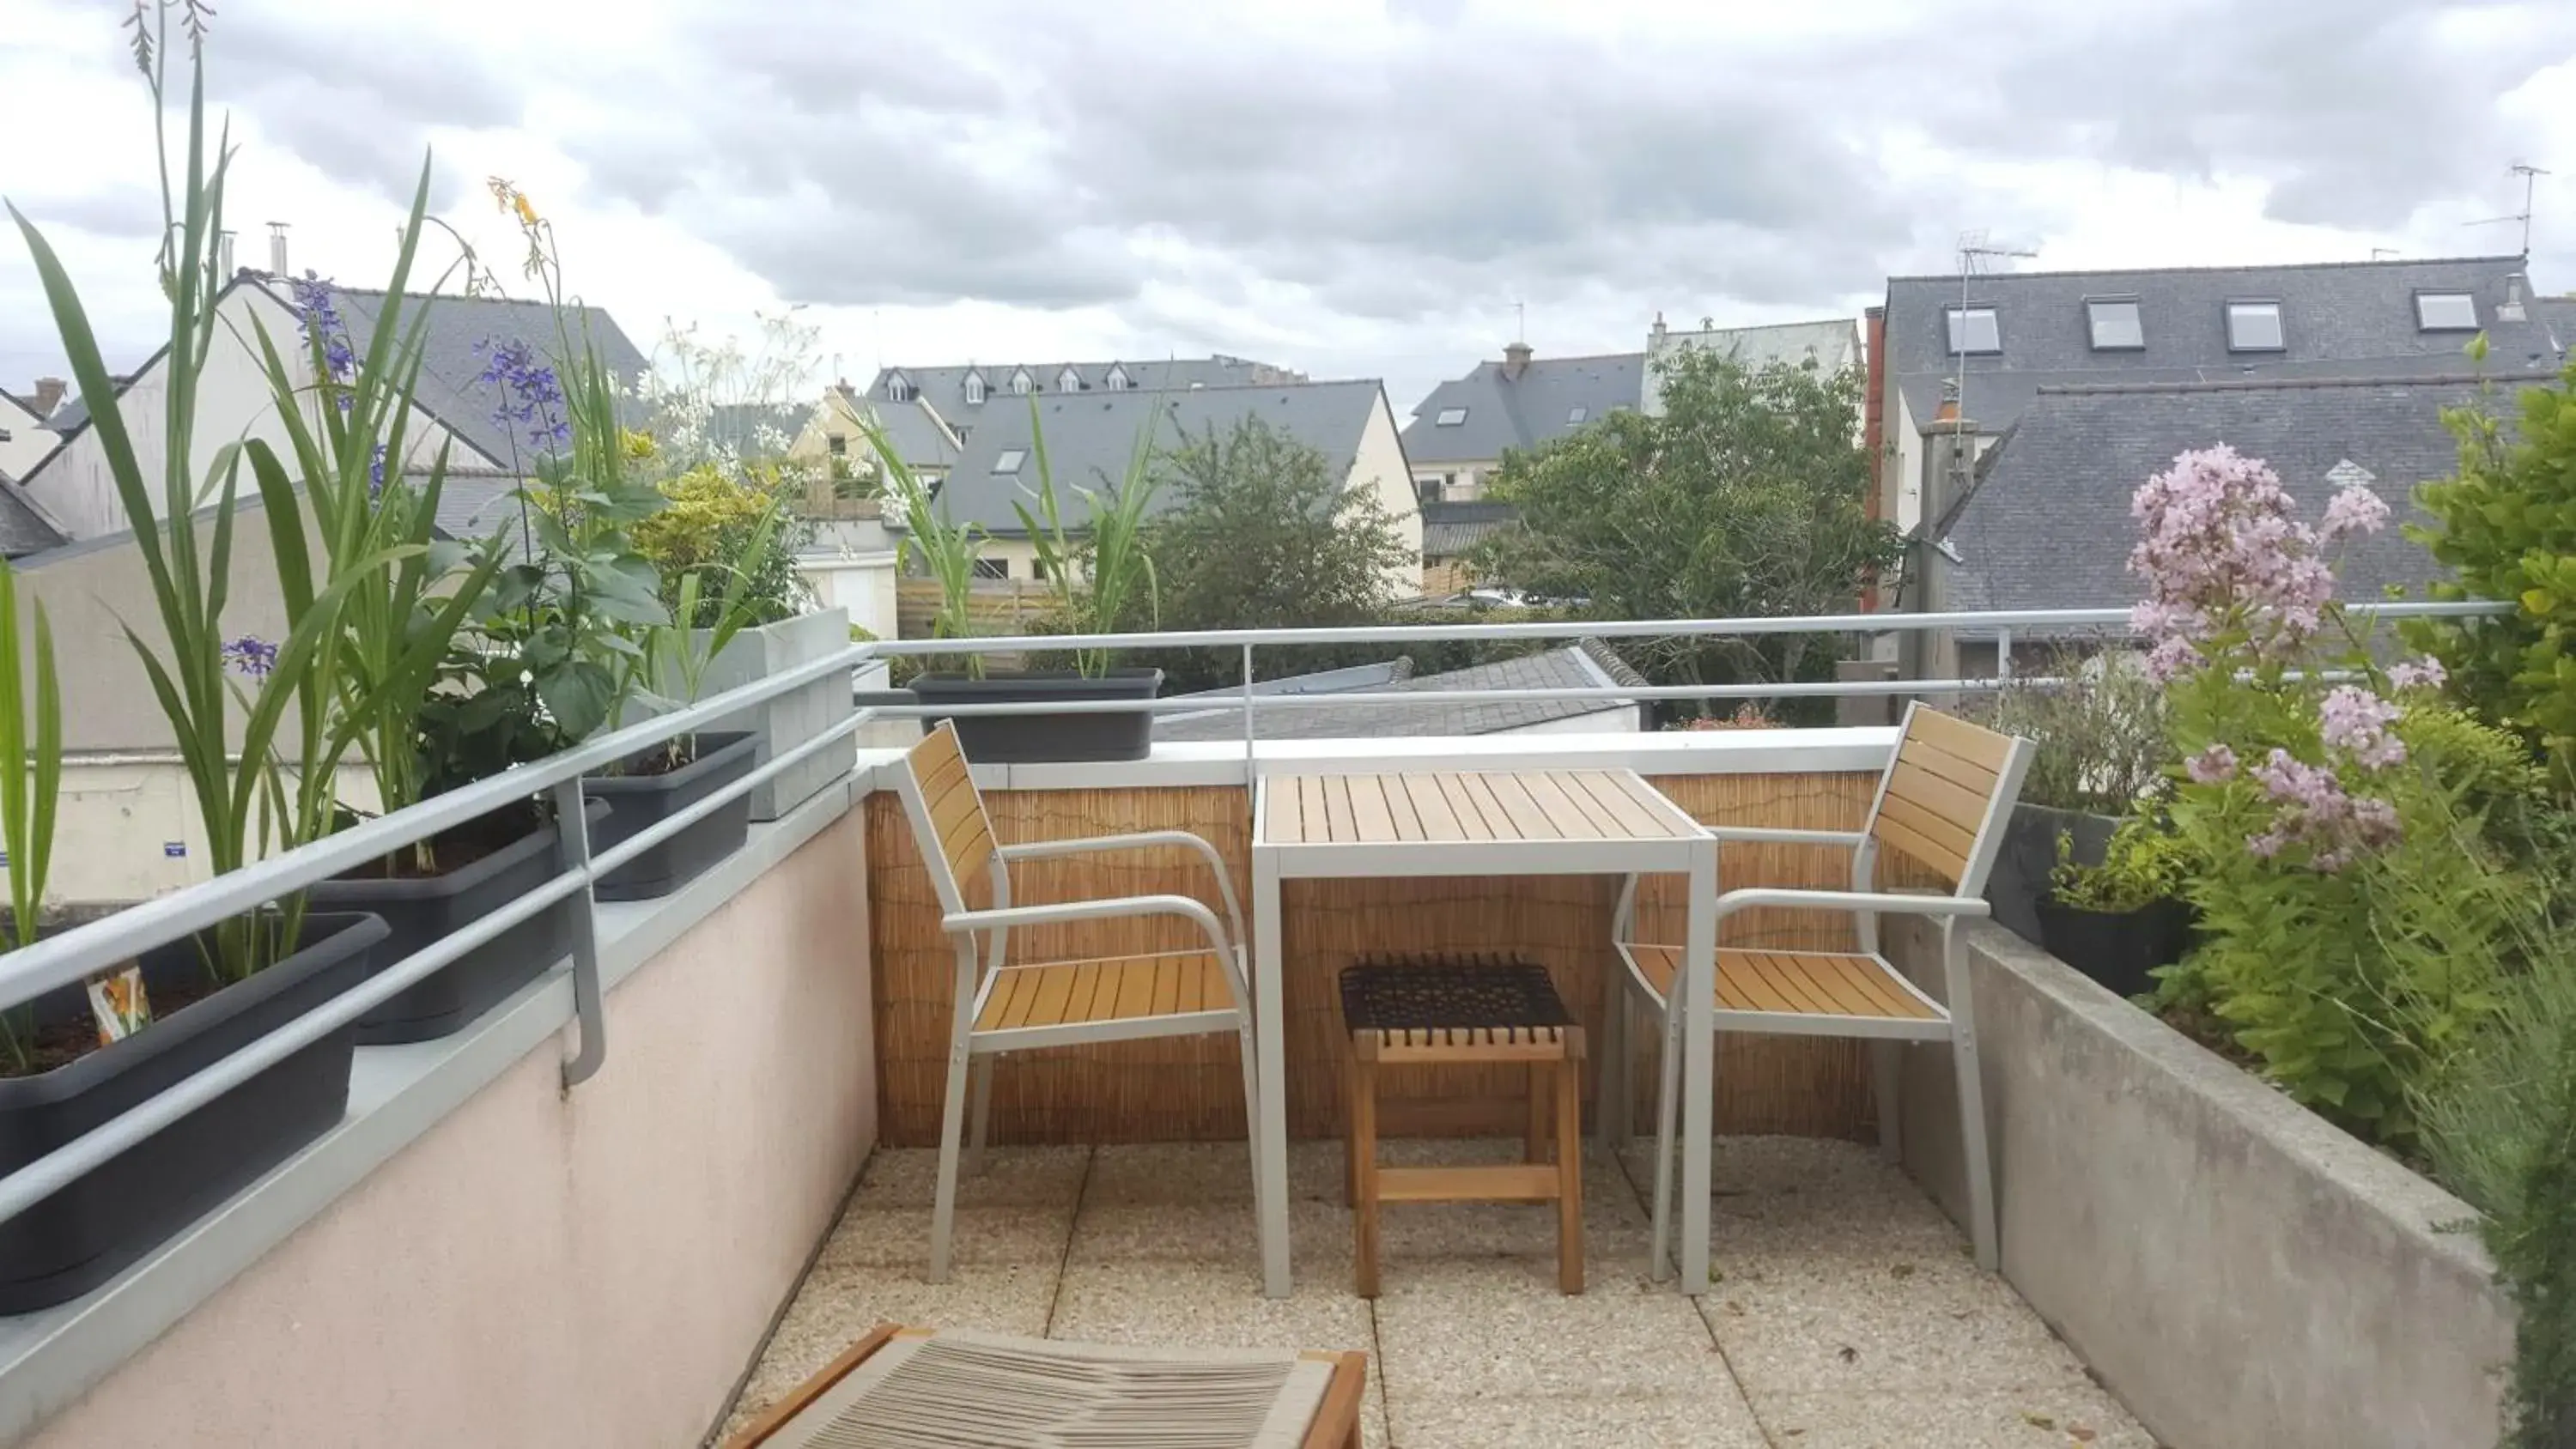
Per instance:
x=1489, y=1001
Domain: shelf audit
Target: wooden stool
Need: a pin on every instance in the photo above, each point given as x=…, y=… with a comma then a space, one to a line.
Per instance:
x=1454, y=1012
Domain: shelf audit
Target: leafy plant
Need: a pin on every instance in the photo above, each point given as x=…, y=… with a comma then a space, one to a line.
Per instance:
x=944, y=550
x=2505, y=527
x=708, y=523
x=31, y=777
x=2100, y=733
x=1109, y=570
x=2143, y=863
x=678, y=659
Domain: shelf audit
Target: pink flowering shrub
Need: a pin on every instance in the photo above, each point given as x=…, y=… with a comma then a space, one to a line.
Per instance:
x=2326, y=802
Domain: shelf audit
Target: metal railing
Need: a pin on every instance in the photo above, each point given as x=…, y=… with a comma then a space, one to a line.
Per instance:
x=87, y=950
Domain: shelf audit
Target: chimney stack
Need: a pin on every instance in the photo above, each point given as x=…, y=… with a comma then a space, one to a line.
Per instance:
x=1516, y=360
x=2513, y=310
x=49, y=395
x=224, y=254
x=277, y=248
x=1657, y=335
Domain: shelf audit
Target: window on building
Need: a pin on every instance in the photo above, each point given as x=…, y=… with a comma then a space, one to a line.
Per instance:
x=1427, y=489
x=1116, y=381
x=2254, y=327
x=975, y=389
x=2446, y=311
x=2115, y=324
x=1023, y=384
x=1974, y=329
x=898, y=388
x=1449, y=418
x=992, y=568
x=839, y=445
x=1010, y=460
x=1068, y=381
x=1580, y=414
x=964, y=432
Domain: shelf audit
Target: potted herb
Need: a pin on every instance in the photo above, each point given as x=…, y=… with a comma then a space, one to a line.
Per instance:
x=1099, y=579
x=2117, y=921
x=2098, y=723
x=256, y=726
x=708, y=530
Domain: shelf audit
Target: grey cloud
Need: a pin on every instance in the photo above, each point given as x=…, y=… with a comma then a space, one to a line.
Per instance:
x=119, y=212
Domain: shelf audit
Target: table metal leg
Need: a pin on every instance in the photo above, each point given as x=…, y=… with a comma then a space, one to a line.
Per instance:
x=1699, y=1053
x=1270, y=1133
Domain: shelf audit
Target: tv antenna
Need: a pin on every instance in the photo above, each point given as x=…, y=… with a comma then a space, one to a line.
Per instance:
x=2530, y=175
x=1977, y=255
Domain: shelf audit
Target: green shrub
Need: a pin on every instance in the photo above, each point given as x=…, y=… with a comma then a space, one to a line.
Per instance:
x=2145, y=862
x=2100, y=733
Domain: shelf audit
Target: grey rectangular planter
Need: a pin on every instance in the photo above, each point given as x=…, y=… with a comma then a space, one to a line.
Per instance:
x=102, y=1222
x=1039, y=737
x=793, y=718
x=639, y=802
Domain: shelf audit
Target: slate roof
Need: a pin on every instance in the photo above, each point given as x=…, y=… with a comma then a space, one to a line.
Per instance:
x=2048, y=523
x=1450, y=529
x=22, y=529
x=1091, y=436
x=1833, y=344
x=1505, y=413
x=743, y=426
x=2339, y=319
x=2558, y=314
x=1586, y=664
x=917, y=440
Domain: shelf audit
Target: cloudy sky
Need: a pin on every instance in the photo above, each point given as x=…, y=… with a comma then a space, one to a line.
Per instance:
x=1351, y=187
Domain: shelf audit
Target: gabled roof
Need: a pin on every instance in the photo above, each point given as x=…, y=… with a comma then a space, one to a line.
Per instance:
x=25, y=407
x=2048, y=525
x=1832, y=345
x=2558, y=314
x=2338, y=319
x=1450, y=529
x=1091, y=437
x=1503, y=412
x=1586, y=664
x=944, y=388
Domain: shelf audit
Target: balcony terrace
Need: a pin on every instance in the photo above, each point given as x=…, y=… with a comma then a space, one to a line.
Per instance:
x=641, y=1199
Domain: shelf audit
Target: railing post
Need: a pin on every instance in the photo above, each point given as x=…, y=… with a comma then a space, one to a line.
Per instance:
x=1251, y=775
x=572, y=853
x=2003, y=653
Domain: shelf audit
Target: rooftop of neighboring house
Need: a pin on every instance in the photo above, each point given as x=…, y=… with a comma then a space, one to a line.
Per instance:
x=1450, y=529
x=2036, y=532
x=1520, y=402
x=1090, y=437
x=1585, y=664
x=2024, y=331
x=1832, y=345
x=23, y=528
x=2558, y=314
x=960, y=395
x=754, y=429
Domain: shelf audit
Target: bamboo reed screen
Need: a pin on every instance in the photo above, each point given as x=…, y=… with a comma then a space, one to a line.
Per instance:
x=1185, y=1088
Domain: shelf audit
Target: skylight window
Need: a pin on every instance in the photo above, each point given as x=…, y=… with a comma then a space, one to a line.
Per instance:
x=1010, y=460
x=2254, y=327
x=1449, y=418
x=1579, y=414
x=1974, y=329
x=2114, y=324
x=2446, y=312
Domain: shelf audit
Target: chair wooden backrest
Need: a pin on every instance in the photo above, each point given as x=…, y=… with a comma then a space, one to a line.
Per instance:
x=1943, y=799
x=948, y=819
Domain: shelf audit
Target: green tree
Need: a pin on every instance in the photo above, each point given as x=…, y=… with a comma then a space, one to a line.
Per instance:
x=1262, y=535
x=1746, y=497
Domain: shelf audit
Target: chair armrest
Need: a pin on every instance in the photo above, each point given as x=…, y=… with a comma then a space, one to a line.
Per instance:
x=1733, y=901
x=1768, y=835
x=1140, y=840
x=1114, y=907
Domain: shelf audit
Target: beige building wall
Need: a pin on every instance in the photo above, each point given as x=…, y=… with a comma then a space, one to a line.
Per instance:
x=127, y=828
x=234, y=403
x=569, y=1269
x=28, y=441
x=1378, y=468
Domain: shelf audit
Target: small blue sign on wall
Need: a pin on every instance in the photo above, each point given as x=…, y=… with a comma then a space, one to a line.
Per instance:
x=174, y=849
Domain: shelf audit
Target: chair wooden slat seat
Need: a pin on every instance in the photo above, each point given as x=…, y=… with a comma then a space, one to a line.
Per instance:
x=1824, y=983
x=1148, y=992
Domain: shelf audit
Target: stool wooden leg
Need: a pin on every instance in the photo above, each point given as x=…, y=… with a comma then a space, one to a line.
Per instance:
x=1569, y=1177
x=1534, y=1142
x=1364, y=1147
x=1351, y=1129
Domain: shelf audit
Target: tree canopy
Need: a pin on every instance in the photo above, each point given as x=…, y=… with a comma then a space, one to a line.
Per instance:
x=1746, y=497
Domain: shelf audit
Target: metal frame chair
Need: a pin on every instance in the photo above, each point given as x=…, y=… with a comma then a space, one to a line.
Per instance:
x=1005, y=1007
x=1942, y=803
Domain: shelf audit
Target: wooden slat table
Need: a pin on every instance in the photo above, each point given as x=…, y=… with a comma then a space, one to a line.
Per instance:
x=1346, y=825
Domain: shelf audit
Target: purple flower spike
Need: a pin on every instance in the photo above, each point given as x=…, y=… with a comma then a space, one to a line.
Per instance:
x=250, y=657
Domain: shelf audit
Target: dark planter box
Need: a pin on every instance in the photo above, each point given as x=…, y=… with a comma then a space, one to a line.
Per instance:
x=99, y=1225
x=639, y=802
x=1028, y=739
x=2119, y=949
x=421, y=912
x=2019, y=880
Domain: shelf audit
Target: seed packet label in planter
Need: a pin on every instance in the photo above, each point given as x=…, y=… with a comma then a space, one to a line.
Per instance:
x=117, y=1000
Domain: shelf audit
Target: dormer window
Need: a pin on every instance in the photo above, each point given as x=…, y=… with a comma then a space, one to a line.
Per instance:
x=1116, y=381
x=2114, y=324
x=2446, y=312
x=974, y=389
x=2254, y=326
x=898, y=388
x=1068, y=381
x=1022, y=384
x=1449, y=418
x=1974, y=329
